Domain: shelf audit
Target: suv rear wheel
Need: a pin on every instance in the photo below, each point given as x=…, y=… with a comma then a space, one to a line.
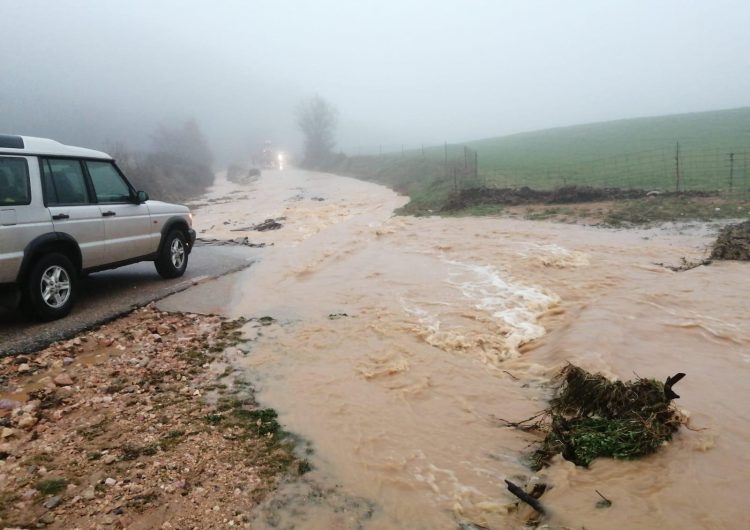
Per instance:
x=173, y=258
x=51, y=287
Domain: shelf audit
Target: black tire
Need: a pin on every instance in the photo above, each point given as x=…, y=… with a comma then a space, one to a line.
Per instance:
x=51, y=288
x=173, y=257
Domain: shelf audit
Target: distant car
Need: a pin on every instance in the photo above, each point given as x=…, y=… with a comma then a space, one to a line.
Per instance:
x=67, y=211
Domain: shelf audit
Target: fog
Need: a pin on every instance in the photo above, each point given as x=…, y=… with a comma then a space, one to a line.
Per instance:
x=399, y=72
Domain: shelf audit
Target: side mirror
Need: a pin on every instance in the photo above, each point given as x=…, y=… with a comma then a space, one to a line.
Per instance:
x=141, y=197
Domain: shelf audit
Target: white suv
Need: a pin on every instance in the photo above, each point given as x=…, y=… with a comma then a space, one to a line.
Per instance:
x=67, y=211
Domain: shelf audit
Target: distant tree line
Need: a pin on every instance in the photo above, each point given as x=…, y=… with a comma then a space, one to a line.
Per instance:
x=177, y=166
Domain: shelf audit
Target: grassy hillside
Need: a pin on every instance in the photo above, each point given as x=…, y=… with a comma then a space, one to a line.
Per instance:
x=629, y=154
x=625, y=153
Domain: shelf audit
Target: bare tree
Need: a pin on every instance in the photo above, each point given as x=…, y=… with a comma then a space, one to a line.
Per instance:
x=317, y=119
x=177, y=166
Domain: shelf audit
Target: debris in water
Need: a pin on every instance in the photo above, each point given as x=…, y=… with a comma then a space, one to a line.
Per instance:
x=733, y=243
x=591, y=417
x=686, y=265
x=525, y=497
x=239, y=174
x=604, y=502
x=243, y=241
x=268, y=224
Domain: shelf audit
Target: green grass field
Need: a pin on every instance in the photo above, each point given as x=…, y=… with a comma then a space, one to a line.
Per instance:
x=638, y=153
x=635, y=153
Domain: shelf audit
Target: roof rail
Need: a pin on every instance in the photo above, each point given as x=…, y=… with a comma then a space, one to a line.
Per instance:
x=10, y=141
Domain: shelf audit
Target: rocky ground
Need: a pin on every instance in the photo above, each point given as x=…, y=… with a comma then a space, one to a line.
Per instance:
x=138, y=424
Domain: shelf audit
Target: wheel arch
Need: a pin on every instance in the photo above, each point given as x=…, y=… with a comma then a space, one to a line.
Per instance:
x=46, y=244
x=174, y=223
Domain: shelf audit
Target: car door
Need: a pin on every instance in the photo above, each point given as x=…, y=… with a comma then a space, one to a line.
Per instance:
x=73, y=210
x=127, y=225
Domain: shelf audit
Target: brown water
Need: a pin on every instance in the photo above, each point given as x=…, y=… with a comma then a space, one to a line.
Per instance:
x=453, y=323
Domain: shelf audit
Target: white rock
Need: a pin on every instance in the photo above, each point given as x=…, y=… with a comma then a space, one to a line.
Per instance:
x=89, y=493
x=7, y=432
x=23, y=368
x=63, y=379
x=27, y=421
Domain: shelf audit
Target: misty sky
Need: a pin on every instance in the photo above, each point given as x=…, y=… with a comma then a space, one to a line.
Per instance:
x=403, y=71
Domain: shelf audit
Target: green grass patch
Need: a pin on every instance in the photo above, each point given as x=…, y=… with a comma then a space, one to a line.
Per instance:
x=51, y=486
x=626, y=438
x=475, y=211
x=213, y=419
x=591, y=417
x=170, y=440
x=260, y=421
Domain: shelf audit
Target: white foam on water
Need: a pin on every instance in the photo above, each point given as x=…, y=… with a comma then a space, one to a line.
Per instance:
x=513, y=308
x=551, y=255
x=514, y=304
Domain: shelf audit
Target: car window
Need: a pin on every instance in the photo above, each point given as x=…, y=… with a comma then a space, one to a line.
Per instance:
x=14, y=181
x=108, y=183
x=64, y=182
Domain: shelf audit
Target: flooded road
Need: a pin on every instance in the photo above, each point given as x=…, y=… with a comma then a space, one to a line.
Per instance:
x=398, y=342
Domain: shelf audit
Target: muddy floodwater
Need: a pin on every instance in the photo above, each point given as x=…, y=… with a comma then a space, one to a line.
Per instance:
x=398, y=342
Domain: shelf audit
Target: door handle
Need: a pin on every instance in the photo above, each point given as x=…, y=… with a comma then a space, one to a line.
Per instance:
x=108, y=214
x=60, y=217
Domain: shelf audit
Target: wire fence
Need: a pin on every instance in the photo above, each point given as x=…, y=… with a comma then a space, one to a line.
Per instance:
x=675, y=168
x=678, y=169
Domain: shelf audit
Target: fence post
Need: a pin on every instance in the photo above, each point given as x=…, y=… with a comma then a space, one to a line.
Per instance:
x=476, y=165
x=731, y=172
x=447, y=171
x=422, y=151
x=677, y=167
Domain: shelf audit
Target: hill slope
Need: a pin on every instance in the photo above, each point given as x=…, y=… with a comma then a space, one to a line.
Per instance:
x=630, y=154
x=634, y=152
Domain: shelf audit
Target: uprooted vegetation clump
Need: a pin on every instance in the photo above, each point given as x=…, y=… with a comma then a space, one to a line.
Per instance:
x=591, y=416
x=733, y=243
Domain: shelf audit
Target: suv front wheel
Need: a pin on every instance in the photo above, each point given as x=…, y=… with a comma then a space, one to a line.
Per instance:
x=173, y=258
x=51, y=287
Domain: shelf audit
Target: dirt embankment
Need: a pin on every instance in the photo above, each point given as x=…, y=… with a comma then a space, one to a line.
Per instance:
x=733, y=243
x=563, y=195
x=138, y=424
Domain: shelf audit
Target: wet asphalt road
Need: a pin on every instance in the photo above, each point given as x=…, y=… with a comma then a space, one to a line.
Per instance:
x=109, y=294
